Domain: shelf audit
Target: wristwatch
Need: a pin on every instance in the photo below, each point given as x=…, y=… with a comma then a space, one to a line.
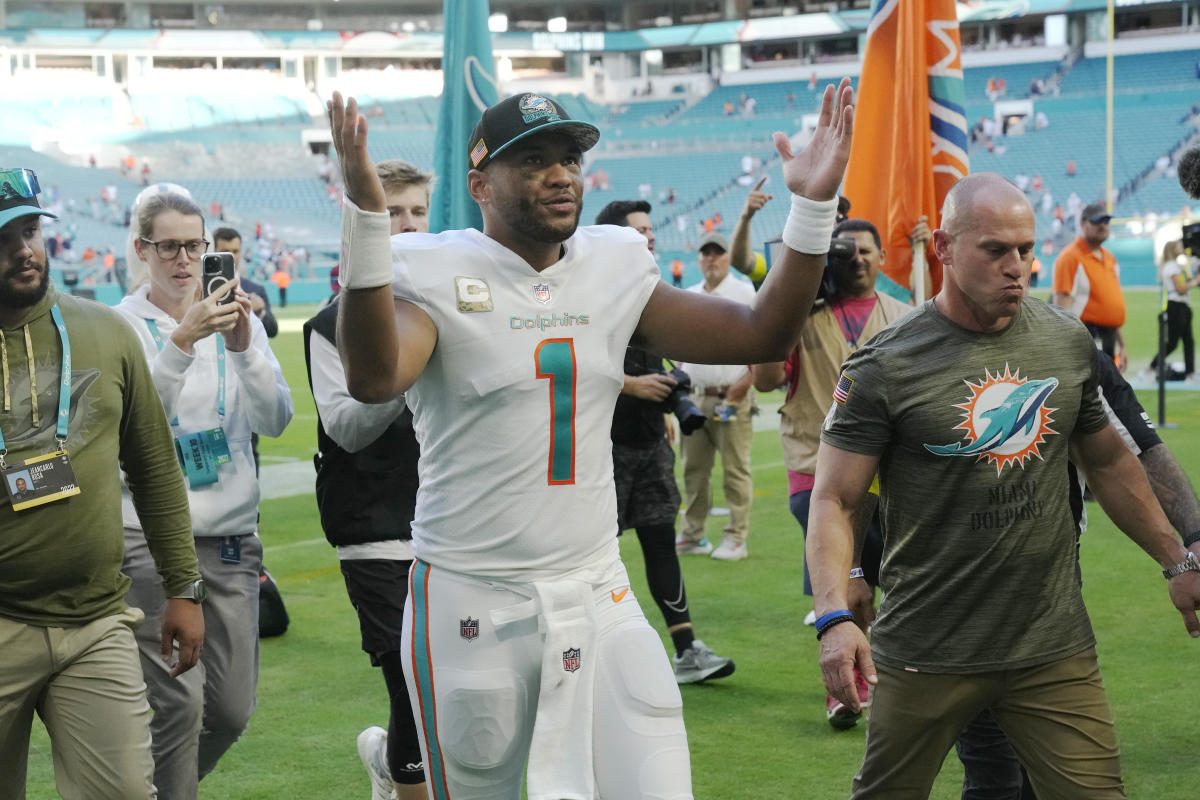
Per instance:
x=196, y=591
x=1188, y=564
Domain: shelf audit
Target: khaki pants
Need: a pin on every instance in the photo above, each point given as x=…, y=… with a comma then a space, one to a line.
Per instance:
x=732, y=440
x=1056, y=716
x=85, y=684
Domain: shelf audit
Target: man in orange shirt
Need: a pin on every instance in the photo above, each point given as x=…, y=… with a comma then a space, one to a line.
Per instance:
x=1087, y=282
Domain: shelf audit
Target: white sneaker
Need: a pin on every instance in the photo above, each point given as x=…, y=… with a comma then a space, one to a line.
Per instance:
x=730, y=550
x=372, y=750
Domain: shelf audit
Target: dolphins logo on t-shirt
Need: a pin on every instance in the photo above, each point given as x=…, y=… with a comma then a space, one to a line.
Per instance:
x=1005, y=419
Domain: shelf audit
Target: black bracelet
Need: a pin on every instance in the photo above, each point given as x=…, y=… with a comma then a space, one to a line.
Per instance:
x=837, y=620
x=1191, y=538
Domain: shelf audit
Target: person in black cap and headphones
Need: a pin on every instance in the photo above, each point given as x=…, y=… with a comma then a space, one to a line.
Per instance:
x=1087, y=282
x=522, y=639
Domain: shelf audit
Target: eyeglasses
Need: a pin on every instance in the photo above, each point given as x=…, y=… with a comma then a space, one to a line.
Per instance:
x=18, y=184
x=169, y=248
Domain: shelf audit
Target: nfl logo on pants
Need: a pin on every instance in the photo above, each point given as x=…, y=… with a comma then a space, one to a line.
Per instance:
x=571, y=659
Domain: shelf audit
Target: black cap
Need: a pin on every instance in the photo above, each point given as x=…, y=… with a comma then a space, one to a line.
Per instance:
x=1096, y=213
x=521, y=115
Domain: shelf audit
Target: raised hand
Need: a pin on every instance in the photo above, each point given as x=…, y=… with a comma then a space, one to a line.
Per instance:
x=756, y=199
x=207, y=316
x=349, y=131
x=238, y=337
x=817, y=172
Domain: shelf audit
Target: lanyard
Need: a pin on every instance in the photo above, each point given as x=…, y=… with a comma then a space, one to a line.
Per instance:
x=64, y=385
x=158, y=342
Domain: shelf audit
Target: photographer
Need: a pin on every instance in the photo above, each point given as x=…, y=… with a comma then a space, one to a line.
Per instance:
x=644, y=470
x=847, y=313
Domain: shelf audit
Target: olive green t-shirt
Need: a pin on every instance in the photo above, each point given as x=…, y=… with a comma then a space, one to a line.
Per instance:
x=972, y=430
x=60, y=563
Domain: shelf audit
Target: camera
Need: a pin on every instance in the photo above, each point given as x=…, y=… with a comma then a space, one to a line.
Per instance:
x=680, y=404
x=842, y=255
x=216, y=270
x=1191, y=239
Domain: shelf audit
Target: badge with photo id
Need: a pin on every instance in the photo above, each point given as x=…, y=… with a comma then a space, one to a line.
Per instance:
x=40, y=480
x=200, y=454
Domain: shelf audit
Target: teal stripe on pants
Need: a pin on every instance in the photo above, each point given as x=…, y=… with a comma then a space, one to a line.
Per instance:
x=423, y=675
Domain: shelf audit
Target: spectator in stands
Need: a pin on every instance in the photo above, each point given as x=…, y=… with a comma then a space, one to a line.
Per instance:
x=1087, y=282
x=110, y=262
x=1040, y=121
x=366, y=492
x=1070, y=168
x=145, y=173
x=218, y=381
x=1047, y=203
x=1178, y=281
x=1037, y=88
x=728, y=108
x=725, y=395
x=644, y=471
x=1037, y=184
x=789, y=99
x=991, y=91
x=282, y=280
x=677, y=272
x=671, y=197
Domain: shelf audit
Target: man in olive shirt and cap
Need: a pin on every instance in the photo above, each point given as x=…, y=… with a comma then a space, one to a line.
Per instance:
x=967, y=412
x=85, y=411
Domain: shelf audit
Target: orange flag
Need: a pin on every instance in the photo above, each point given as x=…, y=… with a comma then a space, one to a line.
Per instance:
x=910, y=130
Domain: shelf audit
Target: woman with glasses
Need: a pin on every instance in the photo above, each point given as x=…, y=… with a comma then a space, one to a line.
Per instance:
x=219, y=382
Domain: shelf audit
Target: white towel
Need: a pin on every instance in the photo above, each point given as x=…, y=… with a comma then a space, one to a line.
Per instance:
x=560, y=755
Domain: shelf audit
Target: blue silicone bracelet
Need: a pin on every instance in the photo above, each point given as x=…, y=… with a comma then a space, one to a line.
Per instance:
x=824, y=618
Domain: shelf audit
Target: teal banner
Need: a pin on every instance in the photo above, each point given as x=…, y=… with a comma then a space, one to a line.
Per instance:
x=469, y=75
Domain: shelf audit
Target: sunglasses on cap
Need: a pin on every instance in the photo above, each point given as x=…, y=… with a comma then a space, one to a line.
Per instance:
x=1101, y=219
x=18, y=184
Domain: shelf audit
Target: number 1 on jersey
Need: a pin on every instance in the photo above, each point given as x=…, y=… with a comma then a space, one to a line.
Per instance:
x=554, y=360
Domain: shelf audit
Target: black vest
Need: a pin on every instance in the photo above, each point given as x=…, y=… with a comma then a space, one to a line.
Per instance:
x=371, y=495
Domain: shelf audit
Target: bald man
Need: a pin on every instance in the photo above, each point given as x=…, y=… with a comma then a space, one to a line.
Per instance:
x=982, y=609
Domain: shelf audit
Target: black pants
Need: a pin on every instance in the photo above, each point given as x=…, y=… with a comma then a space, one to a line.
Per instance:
x=1179, y=329
x=991, y=770
x=1105, y=338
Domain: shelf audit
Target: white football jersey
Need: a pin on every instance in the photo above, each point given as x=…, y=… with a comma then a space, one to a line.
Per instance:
x=514, y=409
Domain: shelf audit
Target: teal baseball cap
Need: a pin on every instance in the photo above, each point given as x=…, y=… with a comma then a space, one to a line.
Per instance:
x=19, y=189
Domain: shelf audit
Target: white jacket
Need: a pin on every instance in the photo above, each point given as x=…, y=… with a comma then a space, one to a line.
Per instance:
x=257, y=400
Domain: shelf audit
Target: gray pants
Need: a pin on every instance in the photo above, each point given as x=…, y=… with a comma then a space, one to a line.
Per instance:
x=200, y=714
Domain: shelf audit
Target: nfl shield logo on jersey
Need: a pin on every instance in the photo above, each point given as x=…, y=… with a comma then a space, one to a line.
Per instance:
x=541, y=293
x=468, y=628
x=571, y=659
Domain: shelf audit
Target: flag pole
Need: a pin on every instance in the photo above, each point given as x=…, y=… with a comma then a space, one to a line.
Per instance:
x=1108, y=112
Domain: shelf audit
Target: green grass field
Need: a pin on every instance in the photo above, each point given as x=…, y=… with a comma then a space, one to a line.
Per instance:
x=759, y=735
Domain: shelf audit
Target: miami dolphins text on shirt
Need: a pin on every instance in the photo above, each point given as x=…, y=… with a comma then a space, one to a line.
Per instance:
x=543, y=321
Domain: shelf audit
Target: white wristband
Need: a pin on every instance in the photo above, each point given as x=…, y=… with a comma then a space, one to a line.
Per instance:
x=809, y=226
x=366, y=261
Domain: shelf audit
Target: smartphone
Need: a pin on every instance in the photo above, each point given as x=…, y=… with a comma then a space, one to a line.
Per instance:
x=216, y=270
